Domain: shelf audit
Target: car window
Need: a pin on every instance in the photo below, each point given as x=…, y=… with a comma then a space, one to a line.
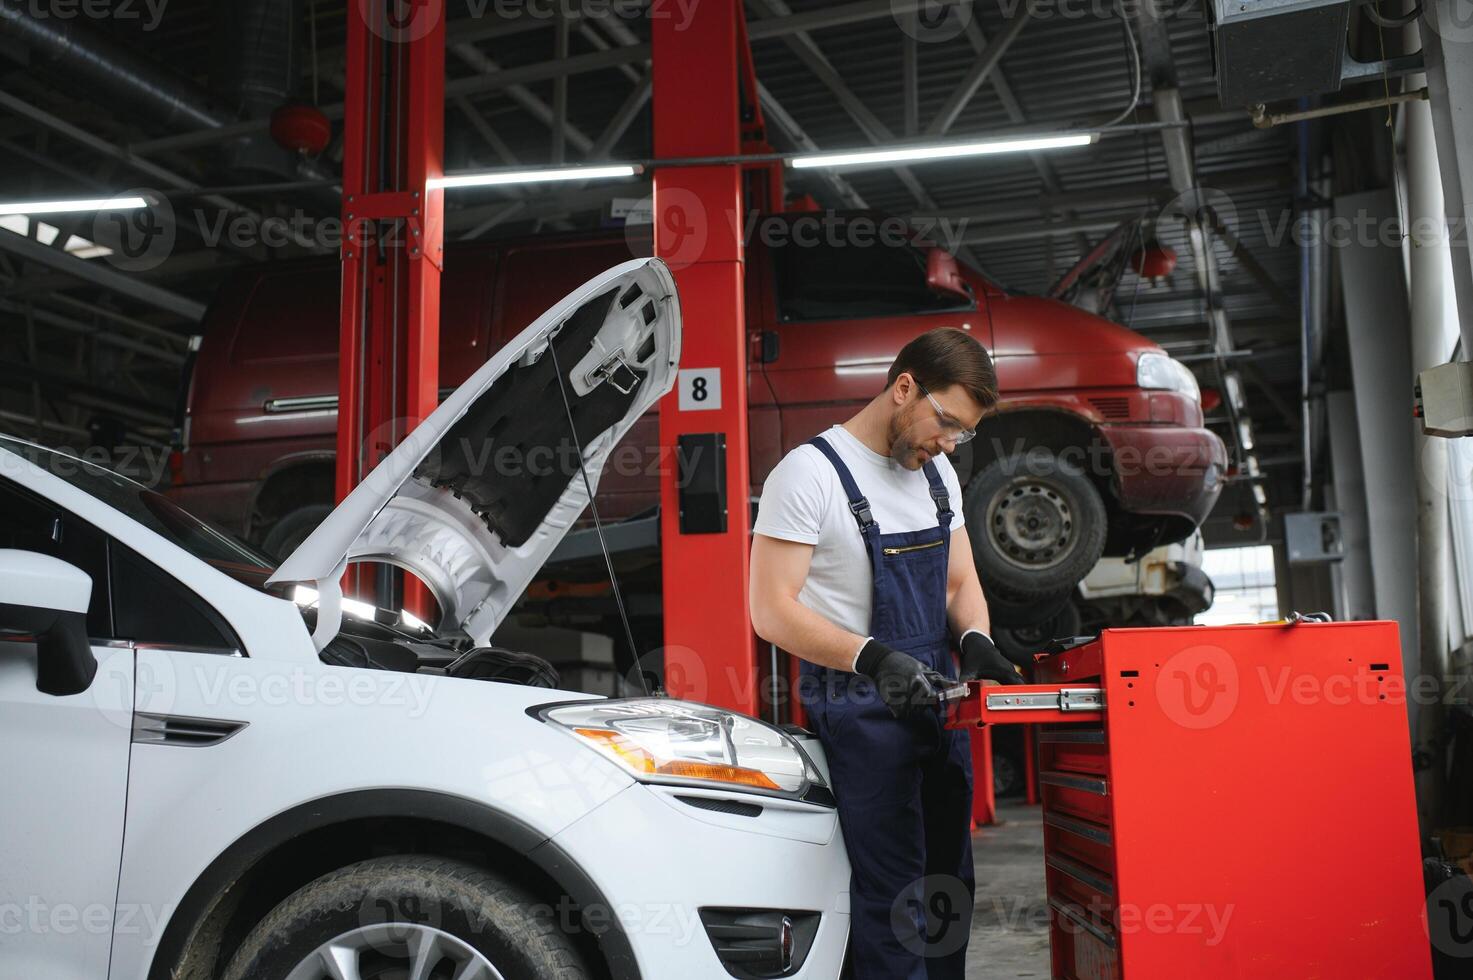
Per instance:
x=151, y=509
x=290, y=315
x=151, y=606
x=828, y=278
x=132, y=598
x=29, y=522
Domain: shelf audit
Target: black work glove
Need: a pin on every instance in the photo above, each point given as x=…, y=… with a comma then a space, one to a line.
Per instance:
x=982, y=660
x=902, y=681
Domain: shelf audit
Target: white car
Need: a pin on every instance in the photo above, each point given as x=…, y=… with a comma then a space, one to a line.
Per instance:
x=206, y=775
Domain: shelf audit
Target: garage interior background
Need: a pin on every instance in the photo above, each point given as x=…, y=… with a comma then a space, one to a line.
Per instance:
x=1310, y=332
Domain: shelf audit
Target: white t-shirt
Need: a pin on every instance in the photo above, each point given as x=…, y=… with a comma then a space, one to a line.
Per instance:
x=804, y=501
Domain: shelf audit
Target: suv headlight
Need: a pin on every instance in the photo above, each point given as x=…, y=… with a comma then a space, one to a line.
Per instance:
x=683, y=743
x=1155, y=370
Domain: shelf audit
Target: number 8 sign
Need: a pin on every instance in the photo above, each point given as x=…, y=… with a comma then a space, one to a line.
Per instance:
x=700, y=389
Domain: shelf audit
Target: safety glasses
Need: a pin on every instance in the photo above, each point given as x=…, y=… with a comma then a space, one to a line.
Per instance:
x=951, y=429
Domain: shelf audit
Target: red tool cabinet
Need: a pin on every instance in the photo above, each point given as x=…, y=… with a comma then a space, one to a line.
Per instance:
x=1226, y=802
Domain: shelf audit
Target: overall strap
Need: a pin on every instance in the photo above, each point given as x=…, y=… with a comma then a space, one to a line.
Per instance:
x=858, y=504
x=940, y=496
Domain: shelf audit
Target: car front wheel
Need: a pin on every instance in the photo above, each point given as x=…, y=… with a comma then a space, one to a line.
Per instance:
x=408, y=918
x=1037, y=526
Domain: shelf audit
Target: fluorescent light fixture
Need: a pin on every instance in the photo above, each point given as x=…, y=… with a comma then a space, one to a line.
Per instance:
x=64, y=207
x=942, y=151
x=492, y=178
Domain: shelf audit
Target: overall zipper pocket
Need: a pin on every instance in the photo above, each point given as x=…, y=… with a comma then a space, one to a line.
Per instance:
x=911, y=547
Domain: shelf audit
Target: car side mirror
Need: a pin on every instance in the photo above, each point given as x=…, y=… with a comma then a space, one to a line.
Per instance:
x=46, y=599
x=943, y=275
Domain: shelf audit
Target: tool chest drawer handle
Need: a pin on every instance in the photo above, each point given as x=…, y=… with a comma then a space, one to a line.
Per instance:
x=1079, y=828
x=1089, y=784
x=1087, y=876
x=1077, y=916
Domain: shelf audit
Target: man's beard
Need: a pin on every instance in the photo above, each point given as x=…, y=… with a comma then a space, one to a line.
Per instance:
x=902, y=450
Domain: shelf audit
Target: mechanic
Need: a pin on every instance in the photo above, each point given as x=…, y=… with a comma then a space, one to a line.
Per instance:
x=861, y=566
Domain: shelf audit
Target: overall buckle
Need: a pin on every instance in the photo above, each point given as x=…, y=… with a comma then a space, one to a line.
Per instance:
x=860, y=509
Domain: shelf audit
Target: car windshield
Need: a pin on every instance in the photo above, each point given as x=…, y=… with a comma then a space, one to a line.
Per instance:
x=151, y=509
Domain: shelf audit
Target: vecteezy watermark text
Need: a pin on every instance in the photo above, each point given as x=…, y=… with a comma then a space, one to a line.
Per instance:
x=150, y=12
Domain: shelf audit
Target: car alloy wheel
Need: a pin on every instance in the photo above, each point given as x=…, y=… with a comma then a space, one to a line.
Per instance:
x=401, y=951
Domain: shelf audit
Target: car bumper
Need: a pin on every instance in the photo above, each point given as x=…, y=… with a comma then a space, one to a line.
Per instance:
x=658, y=861
x=1167, y=470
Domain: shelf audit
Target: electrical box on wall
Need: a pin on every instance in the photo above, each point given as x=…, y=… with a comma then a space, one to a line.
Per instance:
x=1444, y=399
x=701, y=469
x=1313, y=537
x=1268, y=50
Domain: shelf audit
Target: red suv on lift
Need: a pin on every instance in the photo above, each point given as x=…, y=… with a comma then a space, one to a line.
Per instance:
x=1097, y=447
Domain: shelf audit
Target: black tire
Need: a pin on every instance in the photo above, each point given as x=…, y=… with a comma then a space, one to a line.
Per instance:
x=1008, y=777
x=293, y=529
x=1003, y=613
x=1020, y=643
x=389, y=904
x=1037, y=526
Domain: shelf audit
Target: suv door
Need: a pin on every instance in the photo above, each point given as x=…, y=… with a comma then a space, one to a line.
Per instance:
x=64, y=771
x=842, y=306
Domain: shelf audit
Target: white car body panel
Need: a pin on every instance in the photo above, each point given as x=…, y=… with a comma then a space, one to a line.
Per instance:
x=302, y=732
x=316, y=731
x=63, y=782
x=1152, y=574
x=663, y=871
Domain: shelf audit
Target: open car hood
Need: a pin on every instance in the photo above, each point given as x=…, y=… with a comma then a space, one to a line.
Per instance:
x=480, y=493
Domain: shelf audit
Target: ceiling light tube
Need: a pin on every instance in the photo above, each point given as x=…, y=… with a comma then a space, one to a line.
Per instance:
x=942, y=151
x=64, y=207
x=492, y=178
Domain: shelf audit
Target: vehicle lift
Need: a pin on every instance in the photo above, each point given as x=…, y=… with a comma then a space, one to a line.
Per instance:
x=393, y=243
x=1224, y=802
x=704, y=98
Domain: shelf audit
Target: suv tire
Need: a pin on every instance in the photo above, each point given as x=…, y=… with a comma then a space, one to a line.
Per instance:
x=293, y=529
x=1020, y=643
x=1037, y=526
x=384, y=912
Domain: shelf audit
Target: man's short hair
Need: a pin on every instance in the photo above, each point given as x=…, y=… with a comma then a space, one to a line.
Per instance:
x=948, y=356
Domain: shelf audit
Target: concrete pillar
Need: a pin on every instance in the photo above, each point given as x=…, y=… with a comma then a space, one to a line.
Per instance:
x=1445, y=34
x=1349, y=479
x=1434, y=335
x=1378, y=322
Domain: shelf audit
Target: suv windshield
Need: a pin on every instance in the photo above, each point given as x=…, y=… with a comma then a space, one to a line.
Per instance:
x=151, y=509
x=836, y=276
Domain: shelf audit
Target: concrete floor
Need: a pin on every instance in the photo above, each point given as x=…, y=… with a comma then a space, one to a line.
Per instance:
x=1010, y=920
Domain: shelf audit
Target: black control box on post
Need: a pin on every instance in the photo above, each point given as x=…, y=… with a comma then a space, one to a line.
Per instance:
x=701, y=472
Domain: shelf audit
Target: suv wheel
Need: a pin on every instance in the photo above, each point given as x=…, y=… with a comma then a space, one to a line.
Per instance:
x=416, y=918
x=293, y=529
x=1037, y=526
x=1020, y=643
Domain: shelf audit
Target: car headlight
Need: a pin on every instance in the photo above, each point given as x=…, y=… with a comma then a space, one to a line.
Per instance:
x=1155, y=370
x=680, y=742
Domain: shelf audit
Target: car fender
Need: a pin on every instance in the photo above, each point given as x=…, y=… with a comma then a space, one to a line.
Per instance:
x=475, y=816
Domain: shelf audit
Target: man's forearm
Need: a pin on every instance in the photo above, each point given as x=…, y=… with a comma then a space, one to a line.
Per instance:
x=967, y=610
x=806, y=634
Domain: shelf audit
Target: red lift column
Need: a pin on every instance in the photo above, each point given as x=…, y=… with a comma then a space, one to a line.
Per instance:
x=393, y=146
x=709, y=650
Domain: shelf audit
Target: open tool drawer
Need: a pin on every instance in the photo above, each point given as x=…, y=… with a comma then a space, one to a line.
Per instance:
x=1224, y=802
